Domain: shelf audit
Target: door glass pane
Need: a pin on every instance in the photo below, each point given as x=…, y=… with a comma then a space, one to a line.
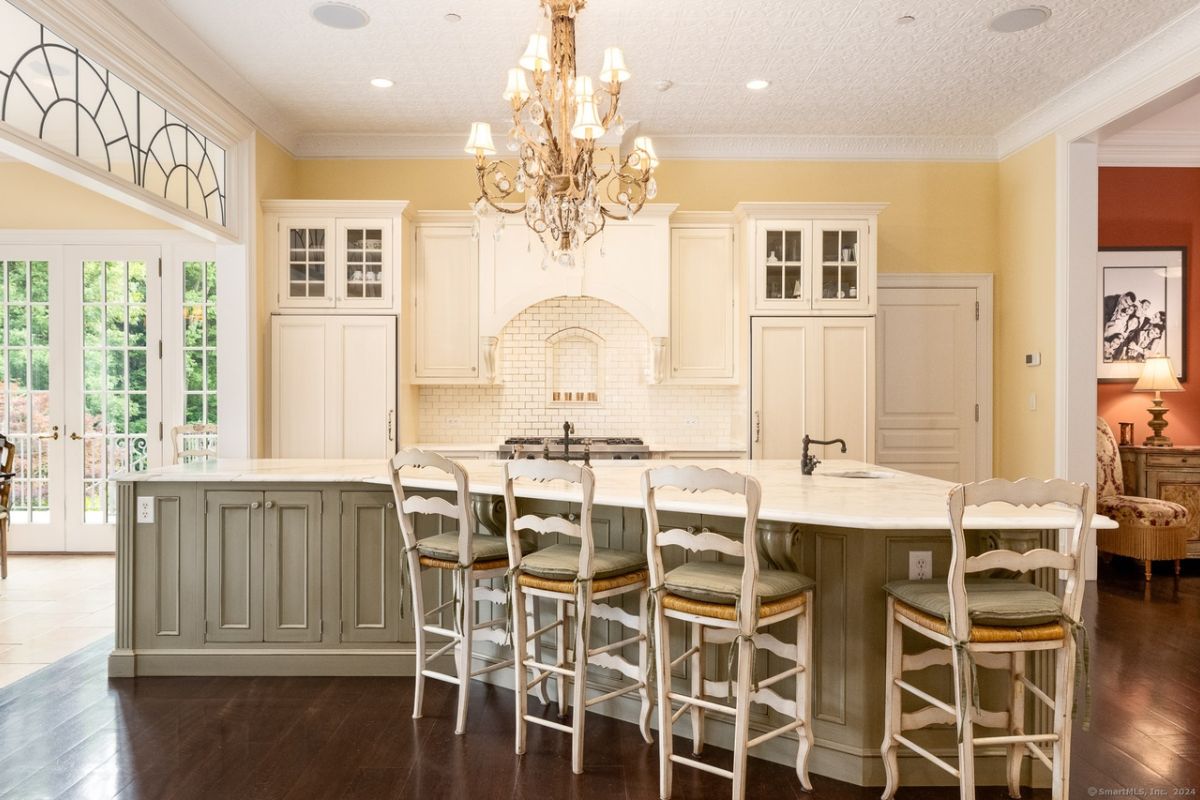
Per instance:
x=115, y=424
x=839, y=264
x=306, y=262
x=199, y=354
x=364, y=262
x=25, y=392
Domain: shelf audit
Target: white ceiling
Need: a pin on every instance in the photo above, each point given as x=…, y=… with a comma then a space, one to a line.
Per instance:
x=837, y=67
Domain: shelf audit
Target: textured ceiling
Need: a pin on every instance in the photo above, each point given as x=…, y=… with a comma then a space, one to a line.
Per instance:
x=837, y=67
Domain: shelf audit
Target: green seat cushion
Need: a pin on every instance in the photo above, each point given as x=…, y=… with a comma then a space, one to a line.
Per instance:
x=990, y=601
x=560, y=562
x=716, y=582
x=444, y=546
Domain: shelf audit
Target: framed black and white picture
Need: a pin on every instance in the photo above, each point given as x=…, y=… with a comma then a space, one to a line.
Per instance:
x=1143, y=292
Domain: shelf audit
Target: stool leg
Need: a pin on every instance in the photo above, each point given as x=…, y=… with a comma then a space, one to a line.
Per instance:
x=662, y=685
x=741, y=719
x=1178, y=567
x=582, y=610
x=697, y=671
x=1064, y=690
x=418, y=604
x=1147, y=564
x=892, y=699
x=1016, y=723
x=560, y=682
x=4, y=548
x=644, y=666
x=804, y=744
x=466, y=615
x=966, y=720
x=544, y=686
x=520, y=659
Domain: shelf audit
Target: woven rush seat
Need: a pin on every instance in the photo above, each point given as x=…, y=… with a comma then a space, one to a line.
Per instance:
x=1048, y=632
x=598, y=584
x=478, y=566
x=560, y=562
x=728, y=611
x=444, y=547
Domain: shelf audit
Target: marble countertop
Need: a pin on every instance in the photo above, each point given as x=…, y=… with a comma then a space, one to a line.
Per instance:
x=900, y=501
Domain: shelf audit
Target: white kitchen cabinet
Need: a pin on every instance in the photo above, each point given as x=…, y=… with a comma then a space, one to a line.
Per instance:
x=812, y=375
x=446, y=345
x=335, y=255
x=811, y=258
x=333, y=386
x=703, y=305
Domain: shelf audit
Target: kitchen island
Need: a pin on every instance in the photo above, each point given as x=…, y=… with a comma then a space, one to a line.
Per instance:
x=292, y=567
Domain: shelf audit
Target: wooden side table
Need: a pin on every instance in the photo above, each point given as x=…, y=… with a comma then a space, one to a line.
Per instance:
x=1166, y=473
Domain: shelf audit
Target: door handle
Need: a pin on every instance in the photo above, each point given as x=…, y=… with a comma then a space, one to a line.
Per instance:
x=75, y=437
x=52, y=435
x=757, y=427
x=391, y=415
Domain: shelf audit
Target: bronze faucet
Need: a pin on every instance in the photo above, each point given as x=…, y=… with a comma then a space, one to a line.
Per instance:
x=809, y=462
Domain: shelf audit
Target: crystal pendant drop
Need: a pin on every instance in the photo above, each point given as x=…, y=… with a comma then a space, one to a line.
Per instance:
x=547, y=261
x=521, y=181
x=652, y=189
x=514, y=140
x=537, y=112
x=566, y=259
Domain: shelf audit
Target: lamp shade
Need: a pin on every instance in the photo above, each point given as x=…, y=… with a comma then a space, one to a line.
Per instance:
x=537, y=54
x=479, y=143
x=583, y=89
x=645, y=149
x=587, y=120
x=614, y=69
x=517, y=88
x=1157, y=376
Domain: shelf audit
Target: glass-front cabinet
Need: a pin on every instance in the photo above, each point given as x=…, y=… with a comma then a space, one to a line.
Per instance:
x=307, y=263
x=364, y=268
x=841, y=249
x=784, y=262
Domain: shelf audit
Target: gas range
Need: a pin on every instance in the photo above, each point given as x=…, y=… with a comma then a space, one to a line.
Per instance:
x=584, y=448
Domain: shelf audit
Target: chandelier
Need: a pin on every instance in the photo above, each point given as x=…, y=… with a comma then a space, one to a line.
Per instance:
x=556, y=124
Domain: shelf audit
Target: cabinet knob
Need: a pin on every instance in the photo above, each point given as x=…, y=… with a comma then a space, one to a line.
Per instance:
x=391, y=504
x=270, y=504
x=255, y=504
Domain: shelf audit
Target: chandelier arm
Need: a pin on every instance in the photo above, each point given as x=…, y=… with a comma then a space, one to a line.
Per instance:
x=614, y=100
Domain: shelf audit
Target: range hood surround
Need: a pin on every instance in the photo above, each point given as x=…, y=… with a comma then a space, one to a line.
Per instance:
x=628, y=265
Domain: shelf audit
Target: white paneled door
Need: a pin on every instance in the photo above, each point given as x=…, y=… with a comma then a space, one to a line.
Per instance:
x=928, y=381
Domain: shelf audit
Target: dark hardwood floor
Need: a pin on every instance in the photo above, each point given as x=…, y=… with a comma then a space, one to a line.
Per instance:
x=70, y=732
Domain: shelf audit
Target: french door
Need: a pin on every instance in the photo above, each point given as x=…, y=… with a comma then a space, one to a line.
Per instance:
x=82, y=392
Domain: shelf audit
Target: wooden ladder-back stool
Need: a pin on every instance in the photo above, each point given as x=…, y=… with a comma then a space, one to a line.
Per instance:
x=8, y=453
x=990, y=623
x=575, y=576
x=469, y=557
x=193, y=442
x=725, y=603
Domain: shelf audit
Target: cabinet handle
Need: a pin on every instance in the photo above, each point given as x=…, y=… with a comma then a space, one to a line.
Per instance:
x=270, y=504
x=391, y=415
x=254, y=504
x=757, y=427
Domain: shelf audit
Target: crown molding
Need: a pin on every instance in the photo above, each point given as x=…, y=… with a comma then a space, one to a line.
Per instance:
x=1151, y=149
x=740, y=148
x=1155, y=57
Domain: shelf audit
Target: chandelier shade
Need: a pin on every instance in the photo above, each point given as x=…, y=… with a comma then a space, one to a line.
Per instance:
x=570, y=185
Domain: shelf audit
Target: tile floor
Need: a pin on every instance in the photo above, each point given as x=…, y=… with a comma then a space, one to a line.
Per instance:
x=51, y=606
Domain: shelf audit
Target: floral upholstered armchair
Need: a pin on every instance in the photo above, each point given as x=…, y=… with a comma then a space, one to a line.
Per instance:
x=1149, y=529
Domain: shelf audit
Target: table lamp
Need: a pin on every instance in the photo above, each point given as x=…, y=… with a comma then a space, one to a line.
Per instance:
x=1158, y=376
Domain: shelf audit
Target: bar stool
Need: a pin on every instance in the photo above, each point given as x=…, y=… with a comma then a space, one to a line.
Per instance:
x=578, y=576
x=725, y=604
x=470, y=558
x=990, y=623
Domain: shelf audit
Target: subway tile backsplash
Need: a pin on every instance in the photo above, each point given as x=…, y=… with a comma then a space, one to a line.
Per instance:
x=691, y=416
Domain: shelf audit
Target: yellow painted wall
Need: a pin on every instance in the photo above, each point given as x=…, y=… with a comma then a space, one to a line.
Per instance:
x=1025, y=308
x=32, y=199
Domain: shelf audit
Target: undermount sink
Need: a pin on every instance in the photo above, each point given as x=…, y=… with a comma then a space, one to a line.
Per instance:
x=857, y=473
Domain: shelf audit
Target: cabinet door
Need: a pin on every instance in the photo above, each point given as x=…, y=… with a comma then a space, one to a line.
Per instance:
x=360, y=395
x=446, y=317
x=615, y=269
x=782, y=262
x=703, y=305
x=306, y=263
x=234, y=568
x=840, y=274
x=300, y=373
x=781, y=389
x=843, y=392
x=292, y=566
x=370, y=568
x=364, y=264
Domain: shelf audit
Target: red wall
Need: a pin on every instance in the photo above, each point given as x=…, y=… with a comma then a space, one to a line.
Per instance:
x=1146, y=207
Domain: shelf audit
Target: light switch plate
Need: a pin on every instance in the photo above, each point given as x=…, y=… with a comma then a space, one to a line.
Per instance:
x=145, y=510
x=920, y=565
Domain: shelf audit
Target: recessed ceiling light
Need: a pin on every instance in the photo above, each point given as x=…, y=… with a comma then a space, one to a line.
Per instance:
x=1019, y=19
x=342, y=16
x=452, y=17
x=663, y=85
x=382, y=83
x=907, y=19
x=757, y=85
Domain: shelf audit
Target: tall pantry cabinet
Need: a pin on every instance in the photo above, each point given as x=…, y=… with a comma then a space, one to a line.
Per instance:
x=334, y=273
x=811, y=272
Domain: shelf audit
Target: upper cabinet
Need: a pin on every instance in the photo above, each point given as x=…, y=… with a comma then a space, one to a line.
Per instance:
x=704, y=300
x=334, y=255
x=810, y=258
x=445, y=300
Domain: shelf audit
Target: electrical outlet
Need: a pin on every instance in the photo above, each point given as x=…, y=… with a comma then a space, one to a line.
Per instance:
x=145, y=510
x=920, y=565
